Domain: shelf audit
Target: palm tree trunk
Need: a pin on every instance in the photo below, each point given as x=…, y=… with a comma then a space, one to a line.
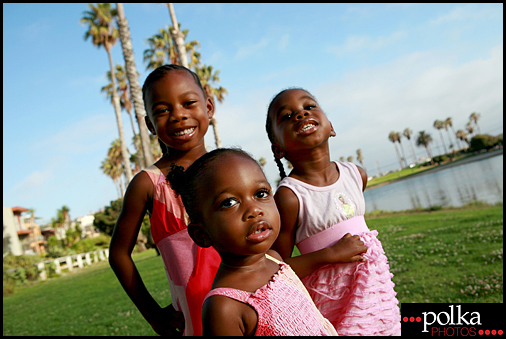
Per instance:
x=403, y=154
x=214, y=123
x=117, y=109
x=398, y=155
x=443, y=141
x=135, y=89
x=178, y=37
x=413, y=152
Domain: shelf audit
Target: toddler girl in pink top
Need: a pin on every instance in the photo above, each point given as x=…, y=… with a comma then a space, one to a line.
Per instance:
x=319, y=202
x=231, y=208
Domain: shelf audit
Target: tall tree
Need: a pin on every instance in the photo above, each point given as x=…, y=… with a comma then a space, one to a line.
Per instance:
x=208, y=78
x=178, y=37
x=438, y=124
x=125, y=103
x=407, y=133
x=474, y=117
x=393, y=138
x=423, y=140
x=135, y=88
x=360, y=158
x=398, y=134
x=102, y=32
x=462, y=135
x=470, y=128
x=448, y=122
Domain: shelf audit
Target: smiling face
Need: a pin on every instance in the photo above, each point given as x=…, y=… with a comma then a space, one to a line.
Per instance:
x=177, y=110
x=237, y=207
x=298, y=122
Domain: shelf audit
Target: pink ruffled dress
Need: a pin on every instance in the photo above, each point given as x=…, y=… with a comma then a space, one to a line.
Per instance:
x=358, y=298
x=283, y=306
x=190, y=269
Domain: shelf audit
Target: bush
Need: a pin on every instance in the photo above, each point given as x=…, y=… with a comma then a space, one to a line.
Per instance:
x=19, y=270
x=484, y=141
x=83, y=246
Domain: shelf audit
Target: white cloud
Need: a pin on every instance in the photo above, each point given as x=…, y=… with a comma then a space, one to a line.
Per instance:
x=355, y=44
x=467, y=12
x=245, y=51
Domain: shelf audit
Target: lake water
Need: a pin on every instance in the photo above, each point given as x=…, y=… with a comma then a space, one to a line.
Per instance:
x=455, y=185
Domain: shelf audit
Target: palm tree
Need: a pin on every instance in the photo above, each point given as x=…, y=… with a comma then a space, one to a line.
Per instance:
x=448, y=122
x=407, y=133
x=360, y=158
x=462, y=135
x=135, y=88
x=262, y=161
x=99, y=20
x=469, y=128
x=178, y=37
x=162, y=48
x=207, y=79
x=438, y=124
x=423, y=140
x=393, y=138
x=341, y=159
x=125, y=103
x=111, y=170
x=474, y=118
x=398, y=135
x=350, y=159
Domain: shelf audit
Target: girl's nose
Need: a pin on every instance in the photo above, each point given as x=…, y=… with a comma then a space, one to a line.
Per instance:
x=178, y=114
x=253, y=211
x=301, y=114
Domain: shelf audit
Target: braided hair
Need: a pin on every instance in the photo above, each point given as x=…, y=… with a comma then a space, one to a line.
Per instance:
x=156, y=75
x=270, y=131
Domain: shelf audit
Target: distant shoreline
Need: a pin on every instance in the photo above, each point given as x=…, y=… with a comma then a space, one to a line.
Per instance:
x=465, y=160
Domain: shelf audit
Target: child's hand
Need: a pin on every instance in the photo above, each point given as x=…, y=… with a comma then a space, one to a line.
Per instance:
x=169, y=322
x=349, y=249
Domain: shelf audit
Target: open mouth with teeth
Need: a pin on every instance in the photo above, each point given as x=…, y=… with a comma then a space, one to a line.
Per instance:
x=184, y=132
x=260, y=233
x=307, y=127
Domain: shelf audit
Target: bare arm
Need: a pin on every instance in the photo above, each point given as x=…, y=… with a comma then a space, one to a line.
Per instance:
x=363, y=174
x=164, y=321
x=223, y=316
x=347, y=249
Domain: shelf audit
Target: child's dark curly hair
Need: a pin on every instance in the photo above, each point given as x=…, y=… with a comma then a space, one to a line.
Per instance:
x=186, y=182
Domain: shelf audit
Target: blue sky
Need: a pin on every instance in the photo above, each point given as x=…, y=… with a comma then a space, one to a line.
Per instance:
x=374, y=68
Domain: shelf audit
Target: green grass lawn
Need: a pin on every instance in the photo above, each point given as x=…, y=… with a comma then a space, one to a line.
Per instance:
x=450, y=255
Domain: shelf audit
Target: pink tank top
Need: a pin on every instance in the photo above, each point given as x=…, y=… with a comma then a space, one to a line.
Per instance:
x=190, y=269
x=284, y=306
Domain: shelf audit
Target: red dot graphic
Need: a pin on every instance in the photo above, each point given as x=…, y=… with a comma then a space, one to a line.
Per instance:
x=499, y=332
x=480, y=332
x=412, y=319
x=493, y=332
x=405, y=319
x=487, y=332
x=418, y=319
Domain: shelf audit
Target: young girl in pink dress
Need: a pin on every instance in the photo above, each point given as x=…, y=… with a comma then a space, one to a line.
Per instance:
x=320, y=201
x=231, y=208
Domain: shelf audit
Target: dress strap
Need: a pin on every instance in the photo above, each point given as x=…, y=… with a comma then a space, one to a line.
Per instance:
x=233, y=293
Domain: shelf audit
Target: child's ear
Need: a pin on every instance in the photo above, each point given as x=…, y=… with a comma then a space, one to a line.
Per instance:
x=199, y=235
x=150, y=125
x=278, y=151
x=210, y=107
x=332, y=132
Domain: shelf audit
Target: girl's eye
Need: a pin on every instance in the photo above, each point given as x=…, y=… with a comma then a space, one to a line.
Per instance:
x=262, y=194
x=160, y=111
x=227, y=203
x=188, y=103
x=286, y=116
x=309, y=107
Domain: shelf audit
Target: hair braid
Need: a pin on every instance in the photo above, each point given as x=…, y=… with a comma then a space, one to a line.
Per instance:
x=281, y=168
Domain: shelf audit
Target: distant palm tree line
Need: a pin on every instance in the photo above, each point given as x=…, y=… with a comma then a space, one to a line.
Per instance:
x=163, y=48
x=424, y=139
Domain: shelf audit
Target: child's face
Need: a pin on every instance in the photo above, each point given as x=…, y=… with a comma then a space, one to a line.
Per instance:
x=298, y=121
x=238, y=208
x=177, y=111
